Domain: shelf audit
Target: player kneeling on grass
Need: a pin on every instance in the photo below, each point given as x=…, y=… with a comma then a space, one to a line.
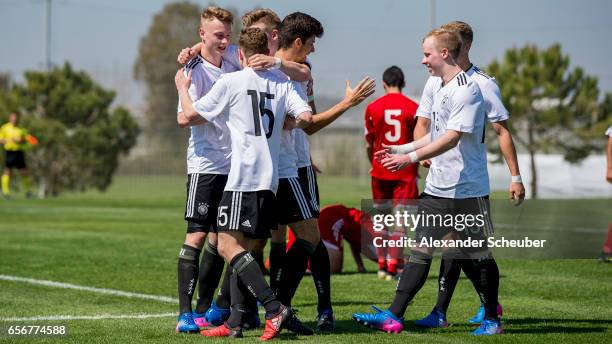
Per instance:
x=338, y=223
x=457, y=184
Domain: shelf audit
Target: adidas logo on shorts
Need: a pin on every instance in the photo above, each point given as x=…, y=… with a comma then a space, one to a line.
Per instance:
x=246, y=223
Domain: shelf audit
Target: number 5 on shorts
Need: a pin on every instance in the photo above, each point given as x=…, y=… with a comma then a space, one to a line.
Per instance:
x=222, y=216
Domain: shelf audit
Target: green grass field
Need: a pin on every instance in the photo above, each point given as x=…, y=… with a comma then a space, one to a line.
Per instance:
x=128, y=238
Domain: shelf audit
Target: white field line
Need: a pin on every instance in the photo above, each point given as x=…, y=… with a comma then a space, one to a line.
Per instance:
x=91, y=317
x=90, y=289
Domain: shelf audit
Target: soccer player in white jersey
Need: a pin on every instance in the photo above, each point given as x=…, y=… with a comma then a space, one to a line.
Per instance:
x=253, y=105
x=217, y=312
x=268, y=21
x=297, y=194
x=208, y=164
x=457, y=183
x=497, y=115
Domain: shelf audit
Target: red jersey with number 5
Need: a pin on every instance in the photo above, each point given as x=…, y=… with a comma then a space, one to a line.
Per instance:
x=390, y=120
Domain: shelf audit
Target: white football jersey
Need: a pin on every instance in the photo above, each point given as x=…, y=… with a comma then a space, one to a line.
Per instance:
x=460, y=172
x=232, y=56
x=287, y=157
x=253, y=104
x=300, y=138
x=209, y=147
x=494, y=106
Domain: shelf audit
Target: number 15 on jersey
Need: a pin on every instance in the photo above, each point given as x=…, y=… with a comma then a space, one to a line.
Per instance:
x=259, y=110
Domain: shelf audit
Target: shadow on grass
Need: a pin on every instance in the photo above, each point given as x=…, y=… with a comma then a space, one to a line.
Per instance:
x=342, y=327
x=539, y=325
x=351, y=326
x=432, y=275
x=344, y=303
x=530, y=321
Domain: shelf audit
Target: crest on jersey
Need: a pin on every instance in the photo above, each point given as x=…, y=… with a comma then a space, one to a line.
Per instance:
x=203, y=209
x=444, y=102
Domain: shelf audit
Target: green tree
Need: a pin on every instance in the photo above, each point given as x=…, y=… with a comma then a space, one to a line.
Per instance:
x=80, y=137
x=172, y=29
x=554, y=109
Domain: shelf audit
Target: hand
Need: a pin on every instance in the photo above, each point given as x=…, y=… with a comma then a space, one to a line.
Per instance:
x=388, y=149
x=315, y=168
x=425, y=163
x=290, y=123
x=609, y=175
x=517, y=193
x=261, y=61
x=364, y=89
x=381, y=154
x=396, y=162
x=182, y=82
x=186, y=55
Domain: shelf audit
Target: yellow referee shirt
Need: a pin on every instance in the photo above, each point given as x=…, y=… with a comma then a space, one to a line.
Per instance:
x=13, y=136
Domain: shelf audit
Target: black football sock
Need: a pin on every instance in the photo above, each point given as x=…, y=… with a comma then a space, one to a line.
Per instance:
x=238, y=303
x=411, y=281
x=296, y=262
x=223, y=295
x=259, y=258
x=211, y=269
x=484, y=274
x=247, y=270
x=187, y=272
x=321, y=274
x=277, y=256
x=243, y=303
x=450, y=270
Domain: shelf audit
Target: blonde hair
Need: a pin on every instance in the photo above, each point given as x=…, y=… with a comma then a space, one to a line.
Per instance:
x=213, y=12
x=265, y=15
x=253, y=41
x=446, y=39
x=464, y=29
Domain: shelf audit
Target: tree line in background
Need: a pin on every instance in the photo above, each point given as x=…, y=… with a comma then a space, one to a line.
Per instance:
x=80, y=137
x=553, y=109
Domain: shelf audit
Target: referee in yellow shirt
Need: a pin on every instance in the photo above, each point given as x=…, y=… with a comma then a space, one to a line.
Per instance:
x=14, y=140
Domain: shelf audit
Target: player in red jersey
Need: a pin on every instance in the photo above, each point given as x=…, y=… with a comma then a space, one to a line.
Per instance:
x=390, y=120
x=338, y=223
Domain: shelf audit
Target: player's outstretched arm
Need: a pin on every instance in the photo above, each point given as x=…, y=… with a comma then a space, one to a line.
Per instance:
x=353, y=97
x=396, y=162
x=295, y=71
x=301, y=121
x=506, y=145
x=402, y=149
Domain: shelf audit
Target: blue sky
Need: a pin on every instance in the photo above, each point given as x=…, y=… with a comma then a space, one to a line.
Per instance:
x=361, y=37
